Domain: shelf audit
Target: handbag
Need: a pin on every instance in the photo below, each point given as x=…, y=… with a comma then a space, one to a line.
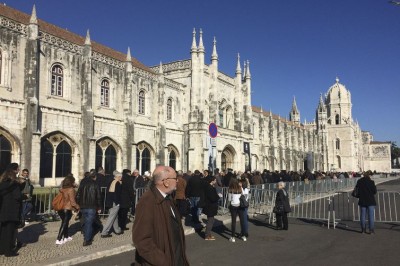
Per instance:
x=243, y=202
x=356, y=192
x=58, y=202
x=278, y=209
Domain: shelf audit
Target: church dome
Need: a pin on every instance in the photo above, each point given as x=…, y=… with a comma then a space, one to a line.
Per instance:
x=338, y=93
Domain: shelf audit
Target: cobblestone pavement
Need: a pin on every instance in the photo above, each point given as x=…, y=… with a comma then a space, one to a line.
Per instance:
x=41, y=250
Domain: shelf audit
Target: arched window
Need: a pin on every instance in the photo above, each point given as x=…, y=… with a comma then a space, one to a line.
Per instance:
x=105, y=93
x=46, y=159
x=169, y=109
x=229, y=118
x=143, y=160
x=106, y=156
x=1, y=64
x=221, y=117
x=172, y=159
x=142, y=102
x=63, y=159
x=337, y=120
x=5, y=153
x=338, y=144
x=339, y=162
x=57, y=80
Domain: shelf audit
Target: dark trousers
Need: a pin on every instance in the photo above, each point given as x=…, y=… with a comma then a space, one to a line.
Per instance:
x=65, y=216
x=235, y=211
x=282, y=218
x=123, y=217
x=8, y=237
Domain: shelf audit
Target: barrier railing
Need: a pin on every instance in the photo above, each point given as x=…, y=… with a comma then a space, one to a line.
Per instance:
x=387, y=209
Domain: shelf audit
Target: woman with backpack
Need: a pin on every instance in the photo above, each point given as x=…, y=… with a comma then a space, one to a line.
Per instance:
x=69, y=204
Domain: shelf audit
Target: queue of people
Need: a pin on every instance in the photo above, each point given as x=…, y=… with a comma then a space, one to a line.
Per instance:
x=171, y=195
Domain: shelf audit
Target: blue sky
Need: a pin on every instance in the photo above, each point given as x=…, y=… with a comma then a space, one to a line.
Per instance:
x=295, y=48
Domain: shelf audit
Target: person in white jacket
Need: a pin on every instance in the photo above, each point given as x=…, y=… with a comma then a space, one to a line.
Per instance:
x=234, y=193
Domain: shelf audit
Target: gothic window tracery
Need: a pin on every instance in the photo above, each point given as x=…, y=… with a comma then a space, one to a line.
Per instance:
x=57, y=80
x=105, y=93
x=141, y=104
x=55, y=157
x=106, y=155
x=169, y=109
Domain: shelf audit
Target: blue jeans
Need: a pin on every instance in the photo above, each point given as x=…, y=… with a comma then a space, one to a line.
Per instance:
x=88, y=215
x=26, y=209
x=371, y=215
x=195, y=210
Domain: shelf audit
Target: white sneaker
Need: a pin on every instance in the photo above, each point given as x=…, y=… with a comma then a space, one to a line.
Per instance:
x=26, y=223
x=60, y=242
x=244, y=238
x=67, y=239
x=232, y=239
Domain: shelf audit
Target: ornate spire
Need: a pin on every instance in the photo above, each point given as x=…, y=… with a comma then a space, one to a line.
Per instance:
x=238, y=69
x=194, y=45
x=337, y=79
x=294, y=106
x=33, y=19
x=160, y=70
x=261, y=109
x=201, y=46
x=214, y=55
x=244, y=69
x=248, y=75
x=87, y=40
x=321, y=105
x=128, y=55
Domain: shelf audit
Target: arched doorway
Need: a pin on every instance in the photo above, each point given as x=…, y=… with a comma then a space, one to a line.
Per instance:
x=227, y=158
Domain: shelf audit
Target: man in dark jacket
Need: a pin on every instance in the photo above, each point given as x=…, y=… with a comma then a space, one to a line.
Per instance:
x=195, y=192
x=89, y=199
x=127, y=198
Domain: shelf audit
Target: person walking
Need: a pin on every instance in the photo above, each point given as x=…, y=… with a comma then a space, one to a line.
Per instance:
x=127, y=198
x=113, y=201
x=157, y=231
x=282, y=204
x=195, y=192
x=210, y=204
x=10, y=209
x=366, y=201
x=69, y=194
x=245, y=185
x=234, y=193
x=180, y=198
x=89, y=200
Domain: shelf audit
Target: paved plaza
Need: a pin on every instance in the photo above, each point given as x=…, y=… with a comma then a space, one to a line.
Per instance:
x=305, y=241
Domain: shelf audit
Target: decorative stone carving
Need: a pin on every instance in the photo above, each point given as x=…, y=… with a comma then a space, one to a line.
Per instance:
x=380, y=151
x=60, y=43
x=12, y=25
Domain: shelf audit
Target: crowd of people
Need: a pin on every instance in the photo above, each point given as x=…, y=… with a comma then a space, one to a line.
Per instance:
x=170, y=195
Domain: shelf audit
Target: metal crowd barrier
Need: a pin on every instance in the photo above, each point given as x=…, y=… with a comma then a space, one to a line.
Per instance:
x=387, y=209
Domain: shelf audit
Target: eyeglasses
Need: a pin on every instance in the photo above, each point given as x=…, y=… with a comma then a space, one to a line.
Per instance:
x=176, y=179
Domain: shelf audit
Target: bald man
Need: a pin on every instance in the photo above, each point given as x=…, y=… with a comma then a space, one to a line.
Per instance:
x=157, y=230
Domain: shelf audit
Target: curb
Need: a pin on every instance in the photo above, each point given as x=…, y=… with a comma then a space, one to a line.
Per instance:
x=124, y=248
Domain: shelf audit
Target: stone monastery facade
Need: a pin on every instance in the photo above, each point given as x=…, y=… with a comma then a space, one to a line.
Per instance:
x=68, y=104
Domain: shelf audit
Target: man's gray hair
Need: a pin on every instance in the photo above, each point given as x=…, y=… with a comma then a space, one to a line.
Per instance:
x=160, y=174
